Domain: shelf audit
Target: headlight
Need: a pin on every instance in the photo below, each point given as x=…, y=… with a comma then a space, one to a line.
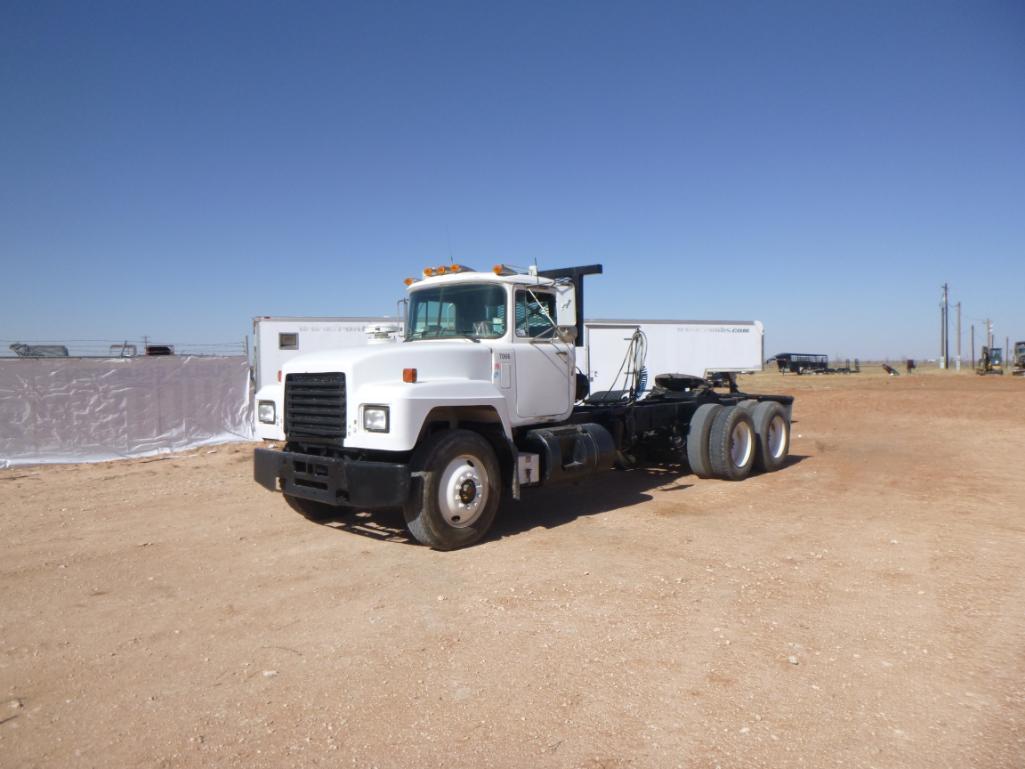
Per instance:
x=266, y=411
x=375, y=419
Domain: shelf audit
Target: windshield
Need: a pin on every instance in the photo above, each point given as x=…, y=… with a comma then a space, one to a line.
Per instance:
x=458, y=310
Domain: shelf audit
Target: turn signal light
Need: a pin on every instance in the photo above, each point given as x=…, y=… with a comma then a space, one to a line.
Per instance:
x=409, y=375
x=409, y=281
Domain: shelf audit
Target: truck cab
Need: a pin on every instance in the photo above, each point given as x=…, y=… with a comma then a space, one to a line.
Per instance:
x=484, y=353
x=494, y=347
x=499, y=343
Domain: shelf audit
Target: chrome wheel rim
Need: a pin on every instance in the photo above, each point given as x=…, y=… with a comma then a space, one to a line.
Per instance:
x=741, y=444
x=777, y=436
x=463, y=491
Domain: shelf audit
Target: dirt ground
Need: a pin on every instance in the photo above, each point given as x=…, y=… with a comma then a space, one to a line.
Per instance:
x=862, y=607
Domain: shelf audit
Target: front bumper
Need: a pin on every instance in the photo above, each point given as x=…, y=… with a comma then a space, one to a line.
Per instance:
x=334, y=481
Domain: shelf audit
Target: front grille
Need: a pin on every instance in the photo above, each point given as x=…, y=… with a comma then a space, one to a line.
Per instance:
x=315, y=407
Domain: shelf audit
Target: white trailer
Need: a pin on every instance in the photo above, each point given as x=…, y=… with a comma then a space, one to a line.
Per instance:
x=277, y=340
x=690, y=347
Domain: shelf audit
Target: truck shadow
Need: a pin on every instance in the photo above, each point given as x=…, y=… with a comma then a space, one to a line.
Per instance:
x=546, y=507
x=558, y=505
x=382, y=525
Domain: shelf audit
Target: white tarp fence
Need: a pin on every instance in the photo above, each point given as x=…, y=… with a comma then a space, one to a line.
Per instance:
x=91, y=410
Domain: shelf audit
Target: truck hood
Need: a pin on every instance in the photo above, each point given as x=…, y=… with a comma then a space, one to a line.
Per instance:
x=457, y=359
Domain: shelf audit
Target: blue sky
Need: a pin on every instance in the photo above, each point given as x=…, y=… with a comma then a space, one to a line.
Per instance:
x=173, y=169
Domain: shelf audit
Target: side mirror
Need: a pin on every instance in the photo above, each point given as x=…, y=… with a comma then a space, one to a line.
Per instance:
x=567, y=334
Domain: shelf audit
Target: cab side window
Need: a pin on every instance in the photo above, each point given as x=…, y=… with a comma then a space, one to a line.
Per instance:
x=535, y=314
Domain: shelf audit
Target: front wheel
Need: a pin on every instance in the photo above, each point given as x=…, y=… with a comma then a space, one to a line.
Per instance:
x=459, y=490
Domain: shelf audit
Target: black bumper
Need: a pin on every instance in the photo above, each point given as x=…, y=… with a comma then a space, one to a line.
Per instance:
x=334, y=481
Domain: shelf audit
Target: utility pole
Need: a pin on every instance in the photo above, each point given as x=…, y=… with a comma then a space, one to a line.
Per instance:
x=943, y=327
x=946, y=326
x=958, y=336
x=973, y=345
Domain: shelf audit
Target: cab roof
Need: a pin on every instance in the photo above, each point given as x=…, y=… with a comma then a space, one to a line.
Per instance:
x=472, y=276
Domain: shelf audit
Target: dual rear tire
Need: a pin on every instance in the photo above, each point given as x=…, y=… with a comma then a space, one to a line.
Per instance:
x=728, y=442
x=731, y=444
x=772, y=428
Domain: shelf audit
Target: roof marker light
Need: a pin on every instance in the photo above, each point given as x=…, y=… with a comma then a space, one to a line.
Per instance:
x=428, y=272
x=409, y=281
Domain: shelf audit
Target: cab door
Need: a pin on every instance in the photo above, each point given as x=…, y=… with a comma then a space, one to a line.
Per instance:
x=544, y=364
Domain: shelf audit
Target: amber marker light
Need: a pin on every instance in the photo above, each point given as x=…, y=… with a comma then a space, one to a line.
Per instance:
x=409, y=375
x=456, y=268
x=441, y=270
x=497, y=269
x=409, y=281
x=428, y=272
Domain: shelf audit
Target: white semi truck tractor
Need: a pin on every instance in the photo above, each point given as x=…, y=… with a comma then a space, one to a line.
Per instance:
x=483, y=398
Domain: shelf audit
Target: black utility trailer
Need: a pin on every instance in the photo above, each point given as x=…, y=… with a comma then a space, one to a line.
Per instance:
x=800, y=363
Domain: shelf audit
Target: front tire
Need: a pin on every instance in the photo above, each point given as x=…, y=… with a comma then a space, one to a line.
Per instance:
x=459, y=491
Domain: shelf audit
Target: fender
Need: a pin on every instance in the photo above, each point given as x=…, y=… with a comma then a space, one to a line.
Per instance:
x=410, y=404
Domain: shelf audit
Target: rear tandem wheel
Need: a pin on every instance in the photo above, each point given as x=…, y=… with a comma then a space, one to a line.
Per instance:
x=697, y=439
x=773, y=430
x=731, y=444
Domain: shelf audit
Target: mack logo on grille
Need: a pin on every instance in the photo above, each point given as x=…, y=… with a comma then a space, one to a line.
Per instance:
x=315, y=406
